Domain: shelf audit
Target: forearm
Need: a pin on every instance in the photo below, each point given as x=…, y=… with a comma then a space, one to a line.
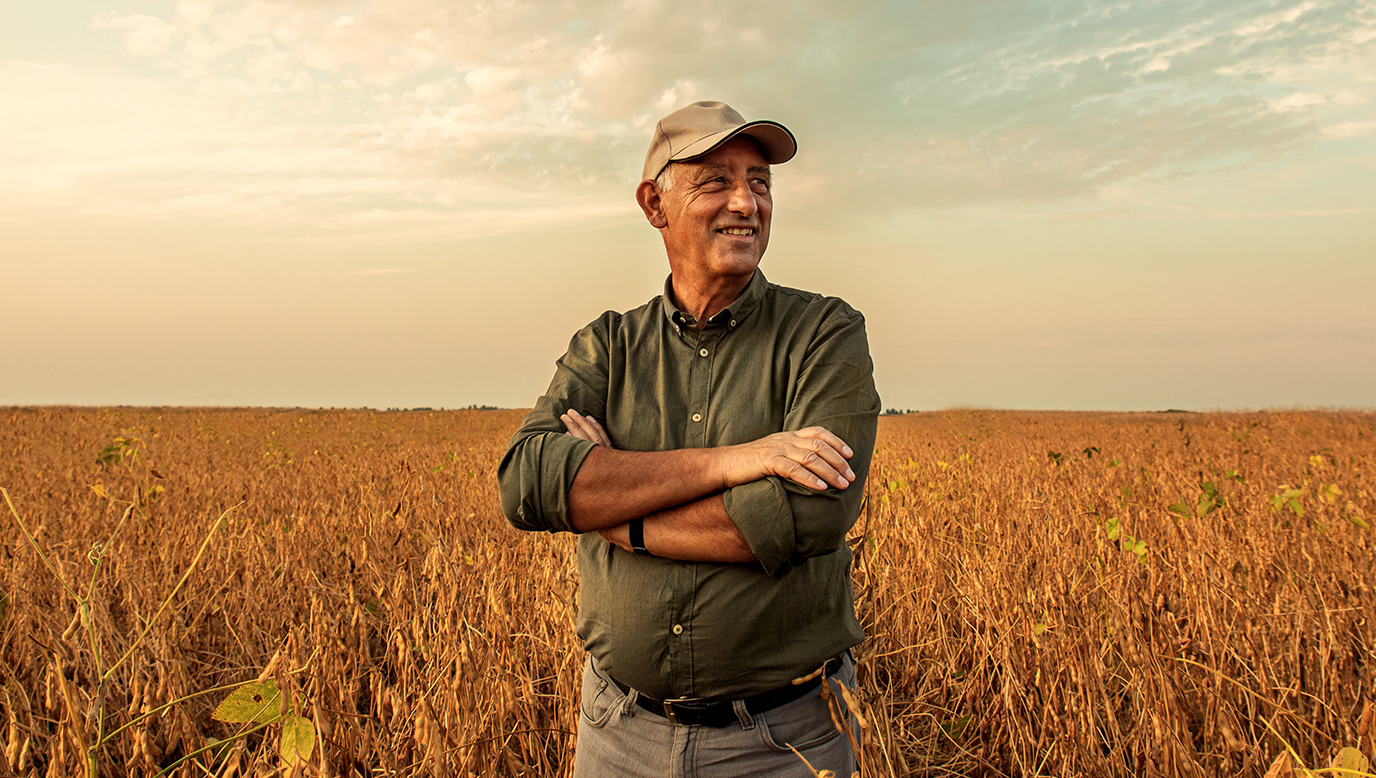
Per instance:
x=697, y=531
x=615, y=486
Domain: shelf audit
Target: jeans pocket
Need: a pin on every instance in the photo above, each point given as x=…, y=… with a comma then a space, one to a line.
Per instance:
x=804, y=723
x=599, y=697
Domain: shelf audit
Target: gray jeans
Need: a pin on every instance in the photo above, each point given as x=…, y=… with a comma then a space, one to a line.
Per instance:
x=618, y=738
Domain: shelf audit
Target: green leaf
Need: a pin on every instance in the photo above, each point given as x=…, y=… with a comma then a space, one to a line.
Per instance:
x=1295, y=507
x=1140, y=548
x=253, y=702
x=298, y=740
x=1180, y=508
x=1113, y=528
x=1359, y=522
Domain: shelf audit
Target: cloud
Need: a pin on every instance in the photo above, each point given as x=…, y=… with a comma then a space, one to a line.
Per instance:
x=294, y=110
x=144, y=35
x=1350, y=129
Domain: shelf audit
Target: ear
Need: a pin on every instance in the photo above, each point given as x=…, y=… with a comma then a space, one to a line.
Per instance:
x=651, y=202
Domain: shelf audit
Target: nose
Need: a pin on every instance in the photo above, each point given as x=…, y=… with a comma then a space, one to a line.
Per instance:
x=743, y=199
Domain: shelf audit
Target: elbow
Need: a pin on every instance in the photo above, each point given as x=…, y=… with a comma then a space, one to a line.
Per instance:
x=823, y=521
x=517, y=504
x=819, y=543
x=514, y=508
x=533, y=479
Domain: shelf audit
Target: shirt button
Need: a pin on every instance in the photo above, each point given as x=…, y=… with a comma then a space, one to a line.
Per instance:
x=678, y=629
x=702, y=352
x=697, y=417
x=733, y=322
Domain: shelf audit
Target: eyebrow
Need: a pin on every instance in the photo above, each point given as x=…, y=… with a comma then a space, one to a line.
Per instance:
x=712, y=170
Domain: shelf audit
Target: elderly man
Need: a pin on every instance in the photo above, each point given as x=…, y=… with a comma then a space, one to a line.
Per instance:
x=712, y=447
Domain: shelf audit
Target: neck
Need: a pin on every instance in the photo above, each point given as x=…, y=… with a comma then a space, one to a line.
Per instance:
x=702, y=299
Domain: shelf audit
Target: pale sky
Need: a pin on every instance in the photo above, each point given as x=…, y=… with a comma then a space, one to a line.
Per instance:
x=1050, y=205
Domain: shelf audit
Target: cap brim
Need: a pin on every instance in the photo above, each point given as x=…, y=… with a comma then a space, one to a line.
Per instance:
x=778, y=143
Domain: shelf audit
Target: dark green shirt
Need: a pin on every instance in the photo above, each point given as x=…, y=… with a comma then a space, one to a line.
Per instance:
x=776, y=359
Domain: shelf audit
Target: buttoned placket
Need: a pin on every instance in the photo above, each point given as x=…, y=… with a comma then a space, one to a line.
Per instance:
x=703, y=346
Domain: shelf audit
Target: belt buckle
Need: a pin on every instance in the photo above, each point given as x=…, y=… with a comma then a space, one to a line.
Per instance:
x=687, y=703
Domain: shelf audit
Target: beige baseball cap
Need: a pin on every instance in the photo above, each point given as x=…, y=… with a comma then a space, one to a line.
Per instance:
x=697, y=129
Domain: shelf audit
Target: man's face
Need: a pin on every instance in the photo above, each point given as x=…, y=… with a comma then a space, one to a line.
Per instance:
x=717, y=212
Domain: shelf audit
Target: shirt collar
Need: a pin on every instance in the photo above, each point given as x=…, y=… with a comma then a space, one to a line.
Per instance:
x=733, y=315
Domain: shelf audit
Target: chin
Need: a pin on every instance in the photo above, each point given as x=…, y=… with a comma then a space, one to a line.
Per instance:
x=737, y=267
x=737, y=264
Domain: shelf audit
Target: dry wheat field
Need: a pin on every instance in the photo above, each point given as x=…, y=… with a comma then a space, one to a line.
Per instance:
x=1058, y=594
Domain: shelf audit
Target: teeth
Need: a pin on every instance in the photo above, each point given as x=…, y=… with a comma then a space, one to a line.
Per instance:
x=738, y=231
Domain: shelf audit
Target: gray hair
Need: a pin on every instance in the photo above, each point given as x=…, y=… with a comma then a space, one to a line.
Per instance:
x=665, y=180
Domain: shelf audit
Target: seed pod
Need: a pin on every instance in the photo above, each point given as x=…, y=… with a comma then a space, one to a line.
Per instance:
x=283, y=697
x=12, y=743
x=136, y=695
x=322, y=725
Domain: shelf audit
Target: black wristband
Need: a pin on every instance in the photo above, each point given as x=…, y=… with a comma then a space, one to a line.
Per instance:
x=637, y=532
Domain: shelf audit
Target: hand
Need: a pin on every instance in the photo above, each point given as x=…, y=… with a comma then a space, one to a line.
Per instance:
x=619, y=535
x=585, y=428
x=812, y=457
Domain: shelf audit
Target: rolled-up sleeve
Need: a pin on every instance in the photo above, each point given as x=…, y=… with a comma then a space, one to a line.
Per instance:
x=541, y=460
x=782, y=521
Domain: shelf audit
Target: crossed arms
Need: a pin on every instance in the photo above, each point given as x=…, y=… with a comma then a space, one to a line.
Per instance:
x=779, y=499
x=678, y=493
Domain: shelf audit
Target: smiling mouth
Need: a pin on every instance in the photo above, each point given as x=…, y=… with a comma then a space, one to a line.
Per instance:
x=746, y=231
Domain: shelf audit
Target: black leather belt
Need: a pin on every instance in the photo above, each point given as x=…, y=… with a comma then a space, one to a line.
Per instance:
x=718, y=713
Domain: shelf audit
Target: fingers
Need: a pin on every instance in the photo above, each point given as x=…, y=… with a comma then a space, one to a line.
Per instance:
x=813, y=470
x=585, y=428
x=812, y=457
x=831, y=455
x=826, y=436
x=619, y=535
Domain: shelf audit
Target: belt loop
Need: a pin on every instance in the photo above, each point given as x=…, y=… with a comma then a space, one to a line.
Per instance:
x=743, y=714
x=628, y=707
